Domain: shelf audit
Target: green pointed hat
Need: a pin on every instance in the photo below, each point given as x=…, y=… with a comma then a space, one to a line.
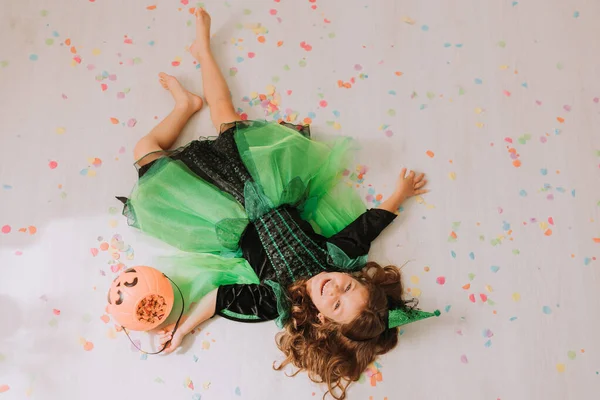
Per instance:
x=403, y=316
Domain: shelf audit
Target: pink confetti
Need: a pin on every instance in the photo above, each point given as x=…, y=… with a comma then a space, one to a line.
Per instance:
x=6, y=229
x=500, y=210
x=440, y=280
x=567, y=107
x=112, y=77
x=91, y=67
x=358, y=67
x=483, y=297
x=463, y=359
x=77, y=59
x=122, y=150
x=185, y=2
x=64, y=96
x=306, y=46
x=94, y=252
x=539, y=103
x=52, y=164
x=128, y=40
x=507, y=139
x=273, y=11
x=131, y=123
x=103, y=87
x=120, y=95
x=596, y=100
x=56, y=311
x=506, y=93
x=543, y=139
x=4, y=388
x=472, y=298
x=251, y=55
x=323, y=103
x=550, y=220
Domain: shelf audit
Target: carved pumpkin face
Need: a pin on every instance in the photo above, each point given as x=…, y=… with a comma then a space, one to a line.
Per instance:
x=140, y=298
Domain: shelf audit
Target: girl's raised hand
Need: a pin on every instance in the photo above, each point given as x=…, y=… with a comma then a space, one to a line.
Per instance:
x=410, y=185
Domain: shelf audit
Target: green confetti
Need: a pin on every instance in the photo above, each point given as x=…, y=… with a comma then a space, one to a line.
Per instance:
x=471, y=276
x=571, y=354
x=516, y=252
x=331, y=35
x=247, y=11
x=275, y=79
x=44, y=13
x=286, y=67
x=4, y=64
x=559, y=66
x=391, y=112
x=430, y=95
x=50, y=42
x=302, y=63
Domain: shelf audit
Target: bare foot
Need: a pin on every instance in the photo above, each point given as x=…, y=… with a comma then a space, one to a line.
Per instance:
x=183, y=98
x=201, y=45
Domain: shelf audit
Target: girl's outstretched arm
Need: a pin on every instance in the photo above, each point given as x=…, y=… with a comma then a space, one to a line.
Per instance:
x=202, y=311
x=406, y=187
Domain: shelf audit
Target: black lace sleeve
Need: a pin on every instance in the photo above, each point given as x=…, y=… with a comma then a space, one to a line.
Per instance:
x=355, y=239
x=247, y=303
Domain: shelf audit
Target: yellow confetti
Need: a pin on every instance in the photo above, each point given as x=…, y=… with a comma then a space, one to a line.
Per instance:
x=504, y=67
x=253, y=95
x=414, y=280
x=479, y=124
x=419, y=200
x=60, y=130
x=206, y=385
x=96, y=52
x=516, y=297
x=113, y=223
x=452, y=176
x=430, y=206
x=489, y=288
x=478, y=110
x=408, y=20
x=543, y=225
x=91, y=173
x=560, y=367
x=336, y=125
x=270, y=90
x=415, y=292
x=205, y=345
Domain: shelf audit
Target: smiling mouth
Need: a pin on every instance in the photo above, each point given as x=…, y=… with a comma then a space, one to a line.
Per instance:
x=325, y=282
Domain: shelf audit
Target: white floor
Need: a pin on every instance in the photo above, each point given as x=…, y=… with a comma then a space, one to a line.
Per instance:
x=448, y=88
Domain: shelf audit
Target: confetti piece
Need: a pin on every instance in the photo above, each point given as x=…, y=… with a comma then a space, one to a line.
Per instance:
x=105, y=318
x=88, y=346
x=414, y=280
x=440, y=280
x=4, y=388
x=560, y=367
x=429, y=153
x=6, y=229
x=494, y=268
x=56, y=312
x=150, y=8
x=52, y=164
x=467, y=286
x=114, y=121
x=238, y=392
x=463, y=359
x=516, y=297
x=472, y=298
x=452, y=176
x=131, y=122
x=483, y=297
x=546, y=310
x=571, y=354
x=408, y=20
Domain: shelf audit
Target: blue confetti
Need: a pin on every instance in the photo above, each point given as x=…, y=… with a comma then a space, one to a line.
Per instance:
x=453, y=254
x=238, y=392
x=33, y=57
x=447, y=308
x=512, y=319
x=546, y=310
x=472, y=255
x=544, y=171
x=488, y=343
x=55, y=34
x=195, y=358
x=478, y=81
x=523, y=193
x=524, y=84
x=312, y=115
x=6, y=187
x=576, y=14
x=392, y=92
x=151, y=43
x=336, y=113
x=514, y=3
x=447, y=45
x=560, y=189
x=573, y=192
x=459, y=45
x=587, y=261
x=144, y=357
x=401, y=332
x=239, y=59
x=424, y=28
x=196, y=396
x=505, y=226
x=557, y=131
x=494, y=268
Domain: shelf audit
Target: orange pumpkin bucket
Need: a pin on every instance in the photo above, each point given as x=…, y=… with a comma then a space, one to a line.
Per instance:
x=140, y=298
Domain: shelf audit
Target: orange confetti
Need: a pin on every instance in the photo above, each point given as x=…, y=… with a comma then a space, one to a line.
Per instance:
x=73, y=50
x=517, y=163
x=561, y=120
x=32, y=230
x=280, y=43
x=307, y=121
x=151, y=8
x=378, y=197
x=114, y=121
x=105, y=318
x=548, y=232
x=453, y=235
x=4, y=388
x=192, y=10
x=467, y=286
x=261, y=39
x=68, y=42
x=596, y=240
x=104, y=246
x=88, y=346
x=398, y=73
x=429, y=153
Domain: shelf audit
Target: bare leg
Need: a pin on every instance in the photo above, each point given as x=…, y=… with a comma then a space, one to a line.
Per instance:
x=216, y=91
x=166, y=132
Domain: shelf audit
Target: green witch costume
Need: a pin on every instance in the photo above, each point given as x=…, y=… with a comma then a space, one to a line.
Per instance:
x=253, y=210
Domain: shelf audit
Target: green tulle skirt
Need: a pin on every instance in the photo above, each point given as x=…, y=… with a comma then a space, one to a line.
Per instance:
x=172, y=203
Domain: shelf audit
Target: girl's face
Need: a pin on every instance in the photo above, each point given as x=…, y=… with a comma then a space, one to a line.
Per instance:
x=337, y=296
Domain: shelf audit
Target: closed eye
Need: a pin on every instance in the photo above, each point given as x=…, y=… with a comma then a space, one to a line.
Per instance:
x=348, y=287
x=337, y=305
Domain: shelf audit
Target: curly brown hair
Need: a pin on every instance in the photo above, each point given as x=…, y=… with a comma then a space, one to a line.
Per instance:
x=337, y=354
